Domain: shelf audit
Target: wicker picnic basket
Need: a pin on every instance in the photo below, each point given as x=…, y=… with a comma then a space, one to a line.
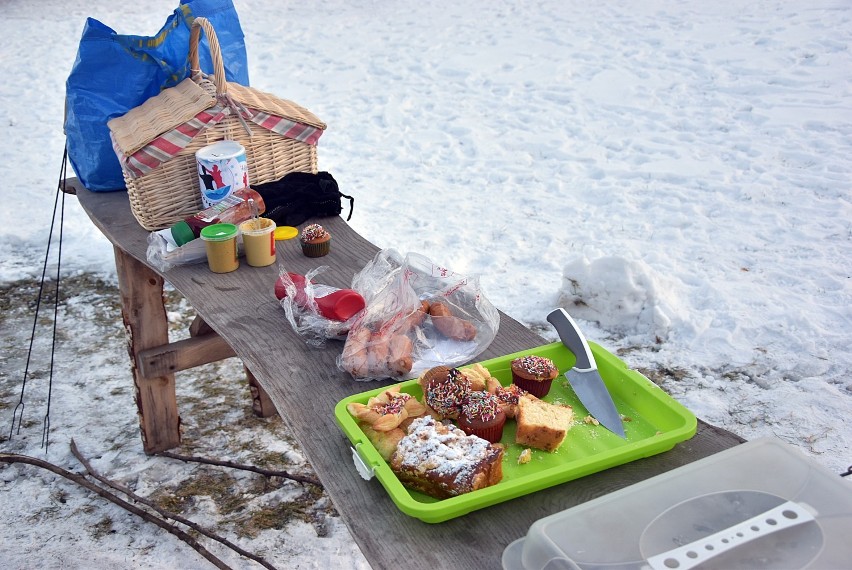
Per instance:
x=156, y=142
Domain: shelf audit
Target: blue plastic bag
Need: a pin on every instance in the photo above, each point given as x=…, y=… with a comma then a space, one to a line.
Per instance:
x=114, y=73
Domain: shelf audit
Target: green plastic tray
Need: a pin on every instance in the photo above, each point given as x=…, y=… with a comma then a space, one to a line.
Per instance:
x=653, y=422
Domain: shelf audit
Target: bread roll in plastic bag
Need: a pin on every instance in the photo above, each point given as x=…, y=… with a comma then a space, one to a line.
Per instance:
x=418, y=315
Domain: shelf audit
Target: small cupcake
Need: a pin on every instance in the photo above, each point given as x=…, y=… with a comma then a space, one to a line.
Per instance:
x=444, y=390
x=534, y=374
x=316, y=242
x=481, y=416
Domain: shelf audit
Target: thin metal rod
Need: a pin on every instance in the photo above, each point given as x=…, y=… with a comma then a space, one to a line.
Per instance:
x=45, y=431
x=20, y=407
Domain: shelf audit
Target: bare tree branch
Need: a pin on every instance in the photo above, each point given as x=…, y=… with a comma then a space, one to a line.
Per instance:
x=163, y=512
x=266, y=472
x=83, y=482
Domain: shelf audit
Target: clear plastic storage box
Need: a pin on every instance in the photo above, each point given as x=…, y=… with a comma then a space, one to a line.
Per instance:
x=762, y=504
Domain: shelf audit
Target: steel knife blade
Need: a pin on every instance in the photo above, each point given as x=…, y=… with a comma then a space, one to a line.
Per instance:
x=584, y=376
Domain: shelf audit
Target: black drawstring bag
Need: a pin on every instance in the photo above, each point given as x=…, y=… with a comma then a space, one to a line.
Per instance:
x=300, y=196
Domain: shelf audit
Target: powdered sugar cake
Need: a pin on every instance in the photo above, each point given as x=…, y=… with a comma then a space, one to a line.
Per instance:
x=442, y=461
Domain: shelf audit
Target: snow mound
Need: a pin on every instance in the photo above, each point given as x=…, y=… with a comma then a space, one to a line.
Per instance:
x=622, y=296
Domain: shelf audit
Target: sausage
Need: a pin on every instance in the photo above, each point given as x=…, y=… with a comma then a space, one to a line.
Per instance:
x=355, y=352
x=415, y=318
x=400, y=361
x=377, y=355
x=449, y=325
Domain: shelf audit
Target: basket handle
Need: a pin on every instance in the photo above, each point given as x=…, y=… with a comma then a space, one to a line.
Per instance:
x=215, y=53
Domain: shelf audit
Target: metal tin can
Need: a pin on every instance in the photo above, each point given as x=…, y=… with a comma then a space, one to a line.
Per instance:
x=222, y=170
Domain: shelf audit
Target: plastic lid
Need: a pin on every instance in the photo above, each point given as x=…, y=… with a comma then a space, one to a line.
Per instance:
x=725, y=499
x=285, y=232
x=182, y=233
x=219, y=232
x=220, y=150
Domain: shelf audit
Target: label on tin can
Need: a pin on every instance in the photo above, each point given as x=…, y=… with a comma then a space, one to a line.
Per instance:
x=222, y=170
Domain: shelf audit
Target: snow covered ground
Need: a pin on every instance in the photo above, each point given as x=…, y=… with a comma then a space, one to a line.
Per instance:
x=675, y=173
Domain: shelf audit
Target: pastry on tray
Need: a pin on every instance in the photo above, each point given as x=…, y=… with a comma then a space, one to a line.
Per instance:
x=444, y=391
x=479, y=376
x=383, y=418
x=443, y=461
x=508, y=398
x=481, y=415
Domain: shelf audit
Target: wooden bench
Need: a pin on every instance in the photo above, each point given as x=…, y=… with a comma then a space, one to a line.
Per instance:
x=239, y=315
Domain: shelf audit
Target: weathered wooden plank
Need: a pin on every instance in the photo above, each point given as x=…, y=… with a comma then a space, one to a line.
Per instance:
x=183, y=354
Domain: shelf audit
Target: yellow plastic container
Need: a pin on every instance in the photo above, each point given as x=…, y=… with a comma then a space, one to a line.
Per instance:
x=221, y=243
x=259, y=241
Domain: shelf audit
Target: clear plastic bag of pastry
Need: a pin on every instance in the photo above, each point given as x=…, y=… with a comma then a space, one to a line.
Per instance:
x=418, y=315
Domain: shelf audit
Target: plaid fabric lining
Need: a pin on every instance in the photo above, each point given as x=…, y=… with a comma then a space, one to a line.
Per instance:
x=169, y=144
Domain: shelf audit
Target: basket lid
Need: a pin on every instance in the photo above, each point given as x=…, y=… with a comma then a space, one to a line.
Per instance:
x=268, y=103
x=159, y=114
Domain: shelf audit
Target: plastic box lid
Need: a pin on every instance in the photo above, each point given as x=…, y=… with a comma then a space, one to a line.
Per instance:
x=762, y=504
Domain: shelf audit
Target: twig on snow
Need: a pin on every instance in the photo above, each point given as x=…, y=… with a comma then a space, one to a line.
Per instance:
x=163, y=512
x=266, y=472
x=83, y=482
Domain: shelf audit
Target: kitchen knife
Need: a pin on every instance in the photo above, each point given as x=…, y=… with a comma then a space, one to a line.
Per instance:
x=584, y=377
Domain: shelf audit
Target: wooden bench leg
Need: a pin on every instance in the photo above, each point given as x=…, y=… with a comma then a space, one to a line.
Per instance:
x=261, y=404
x=146, y=326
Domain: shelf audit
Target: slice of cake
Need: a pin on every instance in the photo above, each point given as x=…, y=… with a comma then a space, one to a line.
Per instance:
x=542, y=425
x=442, y=461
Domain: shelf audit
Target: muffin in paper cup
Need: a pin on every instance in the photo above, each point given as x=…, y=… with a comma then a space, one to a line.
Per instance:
x=534, y=374
x=315, y=240
x=482, y=416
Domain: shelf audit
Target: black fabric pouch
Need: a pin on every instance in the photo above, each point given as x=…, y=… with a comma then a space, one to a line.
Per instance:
x=300, y=196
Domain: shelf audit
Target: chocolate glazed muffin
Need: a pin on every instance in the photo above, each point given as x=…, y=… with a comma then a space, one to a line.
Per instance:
x=316, y=241
x=482, y=416
x=534, y=374
x=444, y=390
